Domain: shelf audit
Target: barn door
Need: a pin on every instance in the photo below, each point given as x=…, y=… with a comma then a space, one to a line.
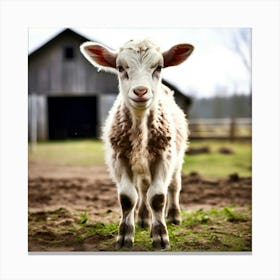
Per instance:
x=72, y=117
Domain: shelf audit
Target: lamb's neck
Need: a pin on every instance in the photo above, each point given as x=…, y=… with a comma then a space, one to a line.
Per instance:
x=139, y=117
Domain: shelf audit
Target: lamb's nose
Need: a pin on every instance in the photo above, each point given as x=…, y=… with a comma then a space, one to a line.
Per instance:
x=140, y=91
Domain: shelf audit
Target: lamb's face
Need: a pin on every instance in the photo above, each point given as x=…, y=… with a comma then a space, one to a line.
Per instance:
x=139, y=67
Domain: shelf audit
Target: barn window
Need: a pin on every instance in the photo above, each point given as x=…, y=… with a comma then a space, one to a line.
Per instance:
x=69, y=53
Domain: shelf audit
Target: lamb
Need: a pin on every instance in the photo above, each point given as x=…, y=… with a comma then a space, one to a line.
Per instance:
x=145, y=136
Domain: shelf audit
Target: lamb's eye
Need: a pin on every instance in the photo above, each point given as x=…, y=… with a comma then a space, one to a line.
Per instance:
x=122, y=72
x=120, y=68
x=158, y=69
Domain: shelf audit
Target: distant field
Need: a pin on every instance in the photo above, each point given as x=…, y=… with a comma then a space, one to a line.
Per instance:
x=217, y=164
x=70, y=152
x=91, y=153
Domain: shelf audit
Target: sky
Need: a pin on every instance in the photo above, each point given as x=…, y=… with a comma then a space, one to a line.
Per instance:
x=214, y=67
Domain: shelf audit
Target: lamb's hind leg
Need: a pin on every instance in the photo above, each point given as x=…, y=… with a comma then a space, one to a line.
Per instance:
x=173, y=206
x=159, y=234
x=128, y=199
x=143, y=211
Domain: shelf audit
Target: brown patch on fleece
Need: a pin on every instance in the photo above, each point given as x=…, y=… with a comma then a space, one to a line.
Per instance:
x=129, y=144
x=120, y=134
x=159, y=133
x=120, y=137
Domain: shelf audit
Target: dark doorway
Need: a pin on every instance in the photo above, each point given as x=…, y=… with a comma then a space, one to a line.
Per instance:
x=72, y=117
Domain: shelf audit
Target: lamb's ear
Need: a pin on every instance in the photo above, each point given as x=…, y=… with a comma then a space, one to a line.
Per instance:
x=177, y=54
x=99, y=55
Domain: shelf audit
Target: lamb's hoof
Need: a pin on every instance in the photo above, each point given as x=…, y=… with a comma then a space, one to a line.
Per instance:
x=143, y=219
x=161, y=244
x=143, y=223
x=174, y=220
x=174, y=216
x=125, y=237
x=160, y=236
x=121, y=243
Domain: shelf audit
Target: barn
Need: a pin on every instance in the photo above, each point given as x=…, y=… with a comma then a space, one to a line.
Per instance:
x=67, y=97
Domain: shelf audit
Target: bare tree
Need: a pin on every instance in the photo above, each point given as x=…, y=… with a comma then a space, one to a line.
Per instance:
x=239, y=41
x=241, y=44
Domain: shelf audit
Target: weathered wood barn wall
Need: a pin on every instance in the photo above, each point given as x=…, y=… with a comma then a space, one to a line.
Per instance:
x=68, y=97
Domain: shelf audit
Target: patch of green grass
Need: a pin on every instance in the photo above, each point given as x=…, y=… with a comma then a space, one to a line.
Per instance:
x=214, y=230
x=70, y=152
x=197, y=217
x=233, y=216
x=100, y=228
x=205, y=231
x=216, y=164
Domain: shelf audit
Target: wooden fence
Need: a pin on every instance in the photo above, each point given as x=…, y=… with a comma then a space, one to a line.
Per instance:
x=229, y=128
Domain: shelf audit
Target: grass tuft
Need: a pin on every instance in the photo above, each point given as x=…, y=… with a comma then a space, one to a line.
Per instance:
x=197, y=217
x=84, y=218
x=233, y=216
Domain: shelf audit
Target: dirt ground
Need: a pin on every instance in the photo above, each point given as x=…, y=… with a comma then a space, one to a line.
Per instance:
x=60, y=190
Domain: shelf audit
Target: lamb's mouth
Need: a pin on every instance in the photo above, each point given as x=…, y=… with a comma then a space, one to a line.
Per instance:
x=142, y=103
x=140, y=100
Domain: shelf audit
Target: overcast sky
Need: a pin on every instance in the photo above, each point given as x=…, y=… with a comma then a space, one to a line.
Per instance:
x=214, y=67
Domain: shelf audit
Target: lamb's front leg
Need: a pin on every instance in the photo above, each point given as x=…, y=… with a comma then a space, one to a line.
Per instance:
x=128, y=199
x=157, y=200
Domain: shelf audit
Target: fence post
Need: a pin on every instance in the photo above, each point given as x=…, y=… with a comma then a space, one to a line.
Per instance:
x=232, y=129
x=33, y=116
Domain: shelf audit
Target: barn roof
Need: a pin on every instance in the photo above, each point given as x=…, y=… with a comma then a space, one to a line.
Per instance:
x=64, y=32
x=177, y=91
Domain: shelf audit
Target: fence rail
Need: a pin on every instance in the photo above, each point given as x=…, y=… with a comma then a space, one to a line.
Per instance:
x=227, y=128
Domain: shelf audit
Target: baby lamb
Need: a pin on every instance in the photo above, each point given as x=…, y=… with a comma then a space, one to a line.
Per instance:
x=145, y=136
